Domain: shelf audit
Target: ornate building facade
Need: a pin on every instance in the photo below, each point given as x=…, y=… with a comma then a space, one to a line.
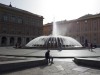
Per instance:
x=84, y=29
x=18, y=26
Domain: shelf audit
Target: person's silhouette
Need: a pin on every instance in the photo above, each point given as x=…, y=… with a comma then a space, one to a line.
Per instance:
x=48, y=57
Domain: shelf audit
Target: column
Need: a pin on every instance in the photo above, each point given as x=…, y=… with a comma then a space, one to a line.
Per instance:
x=15, y=40
x=8, y=41
x=23, y=41
x=0, y=40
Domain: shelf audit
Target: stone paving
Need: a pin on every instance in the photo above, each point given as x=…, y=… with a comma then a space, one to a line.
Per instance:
x=10, y=58
x=58, y=68
x=62, y=66
x=54, y=53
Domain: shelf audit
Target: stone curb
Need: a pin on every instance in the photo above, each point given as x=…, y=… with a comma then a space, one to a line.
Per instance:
x=53, y=56
x=20, y=64
x=90, y=62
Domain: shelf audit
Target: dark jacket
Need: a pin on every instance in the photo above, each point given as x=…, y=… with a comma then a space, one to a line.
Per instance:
x=47, y=55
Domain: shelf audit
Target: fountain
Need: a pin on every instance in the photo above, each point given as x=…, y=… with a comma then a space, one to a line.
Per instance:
x=54, y=41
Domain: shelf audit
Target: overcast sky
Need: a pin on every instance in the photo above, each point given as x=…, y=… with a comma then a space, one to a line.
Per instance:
x=60, y=9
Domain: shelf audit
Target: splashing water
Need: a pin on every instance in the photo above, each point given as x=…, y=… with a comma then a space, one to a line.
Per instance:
x=54, y=31
x=54, y=41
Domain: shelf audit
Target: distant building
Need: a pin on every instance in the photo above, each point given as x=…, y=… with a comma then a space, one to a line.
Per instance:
x=47, y=29
x=84, y=29
x=18, y=26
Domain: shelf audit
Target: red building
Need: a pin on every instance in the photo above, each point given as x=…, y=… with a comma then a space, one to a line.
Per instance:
x=18, y=26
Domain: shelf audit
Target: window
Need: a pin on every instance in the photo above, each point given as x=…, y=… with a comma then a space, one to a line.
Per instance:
x=85, y=21
x=77, y=22
x=13, y=19
x=5, y=18
x=32, y=22
x=19, y=20
x=4, y=30
x=95, y=40
x=26, y=20
x=94, y=25
x=0, y=17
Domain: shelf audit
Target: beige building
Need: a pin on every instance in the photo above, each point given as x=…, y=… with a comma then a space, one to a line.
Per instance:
x=18, y=26
x=47, y=29
x=84, y=29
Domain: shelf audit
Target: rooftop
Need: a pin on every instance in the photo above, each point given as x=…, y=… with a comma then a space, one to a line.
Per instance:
x=17, y=9
x=88, y=16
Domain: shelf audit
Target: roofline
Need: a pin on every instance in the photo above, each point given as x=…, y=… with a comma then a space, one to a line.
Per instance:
x=20, y=10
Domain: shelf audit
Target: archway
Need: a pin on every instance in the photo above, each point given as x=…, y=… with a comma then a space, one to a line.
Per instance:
x=19, y=40
x=12, y=41
x=27, y=40
x=3, y=41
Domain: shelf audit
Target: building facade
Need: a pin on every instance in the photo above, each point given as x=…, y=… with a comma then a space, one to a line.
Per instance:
x=85, y=29
x=47, y=29
x=18, y=26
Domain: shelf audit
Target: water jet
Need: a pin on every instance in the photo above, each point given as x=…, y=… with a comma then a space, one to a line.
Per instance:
x=54, y=41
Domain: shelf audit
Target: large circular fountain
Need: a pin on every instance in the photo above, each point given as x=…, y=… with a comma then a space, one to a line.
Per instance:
x=54, y=41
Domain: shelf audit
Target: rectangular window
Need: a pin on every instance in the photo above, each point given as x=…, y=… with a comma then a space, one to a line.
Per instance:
x=26, y=20
x=94, y=25
x=32, y=22
x=5, y=18
x=0, y=17
x=20, y=20
x=13, y=19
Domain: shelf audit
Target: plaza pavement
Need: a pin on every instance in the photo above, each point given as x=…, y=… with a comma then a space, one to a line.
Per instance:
x=10, y=51
x=60, y=67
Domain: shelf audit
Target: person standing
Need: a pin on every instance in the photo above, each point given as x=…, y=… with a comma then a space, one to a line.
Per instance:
x=91, y=46
x=47, y=56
